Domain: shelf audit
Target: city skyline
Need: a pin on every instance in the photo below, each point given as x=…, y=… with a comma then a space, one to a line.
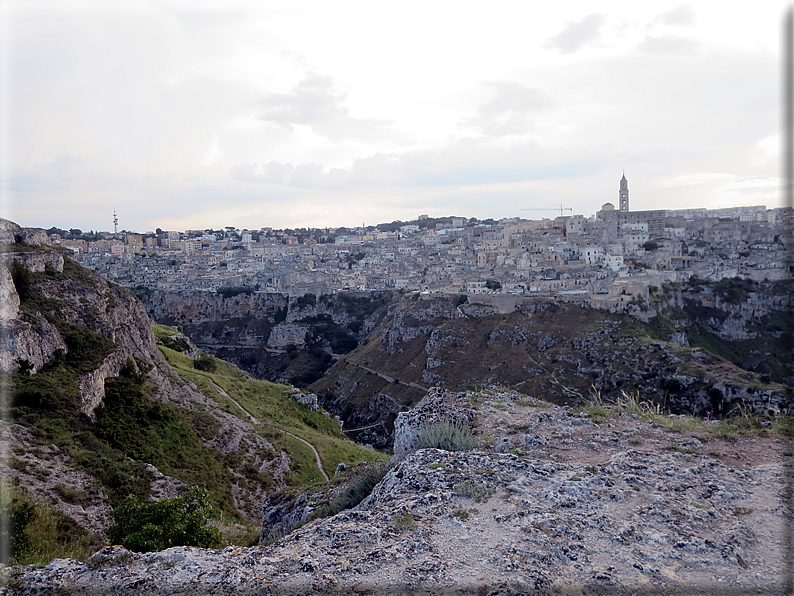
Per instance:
x=309, y=115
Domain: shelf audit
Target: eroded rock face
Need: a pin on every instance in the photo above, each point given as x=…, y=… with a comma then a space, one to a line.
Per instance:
x=196, y=307
x=285, y=334
x=11, y=233
x=575, y=508
x=92, y=385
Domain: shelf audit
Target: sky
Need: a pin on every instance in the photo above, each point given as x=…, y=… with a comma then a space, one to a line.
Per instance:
x=303, y=113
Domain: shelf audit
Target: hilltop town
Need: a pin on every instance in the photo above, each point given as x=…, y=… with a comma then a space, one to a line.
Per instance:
x=606, y=259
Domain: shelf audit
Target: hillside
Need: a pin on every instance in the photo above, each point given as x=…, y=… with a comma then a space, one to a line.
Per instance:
x=566, y=353
x=96, y=410
x=551, y=500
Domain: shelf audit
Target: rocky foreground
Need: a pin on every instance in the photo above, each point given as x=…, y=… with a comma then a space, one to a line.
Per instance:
x=551, y=502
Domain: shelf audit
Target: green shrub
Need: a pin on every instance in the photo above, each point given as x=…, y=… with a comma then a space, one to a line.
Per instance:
x=231, y=292
x=306, y=300
x=175, y=343
x=359, y=488
x=21, y=277
x=404, y=522
x=19, y=514
x=492, y=284
x=474, y=490
x=447, y=436
x=180, y=521
x=205, y=363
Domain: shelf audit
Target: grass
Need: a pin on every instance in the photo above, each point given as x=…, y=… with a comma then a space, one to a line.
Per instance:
x=41, y=534
x=473, y=490
x=404, y=522
x=447, y=436
x=743, y=420
x=271, y=405
x=162, y=332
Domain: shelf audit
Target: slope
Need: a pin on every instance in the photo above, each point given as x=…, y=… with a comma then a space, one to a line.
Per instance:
x=93, y=411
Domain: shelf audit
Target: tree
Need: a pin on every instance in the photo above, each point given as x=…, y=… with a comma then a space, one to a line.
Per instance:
x=181, y=521
x=492, y=284
x=649, y=246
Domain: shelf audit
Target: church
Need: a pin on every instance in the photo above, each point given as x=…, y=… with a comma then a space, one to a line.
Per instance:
x=654, y=218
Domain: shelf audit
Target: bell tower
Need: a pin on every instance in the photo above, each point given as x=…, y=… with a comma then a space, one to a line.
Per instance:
x=624, y=194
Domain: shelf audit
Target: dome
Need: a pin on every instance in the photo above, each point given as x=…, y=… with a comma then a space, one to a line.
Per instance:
x=607, y=207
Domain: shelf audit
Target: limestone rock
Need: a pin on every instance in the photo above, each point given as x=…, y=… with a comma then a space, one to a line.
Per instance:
x=437, y=406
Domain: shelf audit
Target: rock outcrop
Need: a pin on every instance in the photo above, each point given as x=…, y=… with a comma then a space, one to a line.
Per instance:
x=580, y=505
x=437, y=407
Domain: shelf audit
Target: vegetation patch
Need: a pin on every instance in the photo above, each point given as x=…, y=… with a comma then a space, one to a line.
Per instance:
x=36, y=533
x=359, y=486
x=447, y=436
x=474, y=490
x=404, y=522
x=231, y=292
x=162, y=435
x=180, y=521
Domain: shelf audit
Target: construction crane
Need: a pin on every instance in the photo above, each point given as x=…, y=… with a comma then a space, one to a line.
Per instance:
x=561, y=209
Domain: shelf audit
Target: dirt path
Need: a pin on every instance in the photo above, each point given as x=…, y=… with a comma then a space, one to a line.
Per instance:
x=234, y=401
x=255, y=421
x=316, y=455
x=387, y=378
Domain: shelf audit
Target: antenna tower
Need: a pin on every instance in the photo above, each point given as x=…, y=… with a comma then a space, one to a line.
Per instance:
x=115, y=222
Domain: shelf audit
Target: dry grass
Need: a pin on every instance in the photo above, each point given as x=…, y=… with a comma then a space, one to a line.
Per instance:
x=743, y=420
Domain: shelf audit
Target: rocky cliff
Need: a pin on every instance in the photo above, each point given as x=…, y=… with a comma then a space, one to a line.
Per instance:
x=552, y=501
x=272, y=336
x=557, y=350
x=748, y=323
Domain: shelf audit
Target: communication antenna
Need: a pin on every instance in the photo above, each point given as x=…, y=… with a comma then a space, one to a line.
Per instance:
x=115, y=222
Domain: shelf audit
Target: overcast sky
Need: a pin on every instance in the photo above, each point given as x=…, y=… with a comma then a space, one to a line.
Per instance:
x=311, y=113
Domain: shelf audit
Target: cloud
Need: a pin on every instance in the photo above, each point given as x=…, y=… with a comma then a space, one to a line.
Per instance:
x=577, y=34
x=509, y=110
x=680, y=16
x=465, y=162
x=669, y=45
x=313, y=102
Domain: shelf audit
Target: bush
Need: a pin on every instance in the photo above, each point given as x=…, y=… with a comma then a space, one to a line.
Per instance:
x=306, y=300
x=180, y=521
x=175, y=343
x=231, y=292
x=18, y=514
x=473, y=490
x=447, y=436
x=205, y=363
x=358, y=489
